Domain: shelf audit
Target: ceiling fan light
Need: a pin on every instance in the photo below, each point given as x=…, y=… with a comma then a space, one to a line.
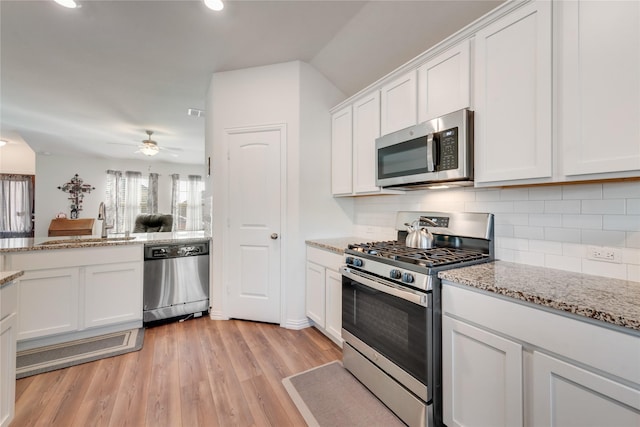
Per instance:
x=71, y=4
x=149, y=150
x=216, y=5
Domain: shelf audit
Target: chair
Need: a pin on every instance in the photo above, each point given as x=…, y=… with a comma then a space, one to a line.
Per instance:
x=151, y=223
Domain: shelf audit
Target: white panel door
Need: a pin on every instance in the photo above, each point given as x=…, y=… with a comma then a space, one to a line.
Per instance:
x=366, y=128
x=599, y=86
x=399, y=106
x=254, y=223
x=443, y=83
x=567, y=395
x=513, y=138
x=482, y=377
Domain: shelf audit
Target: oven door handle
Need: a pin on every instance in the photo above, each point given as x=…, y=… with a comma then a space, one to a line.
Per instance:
x=391, y=289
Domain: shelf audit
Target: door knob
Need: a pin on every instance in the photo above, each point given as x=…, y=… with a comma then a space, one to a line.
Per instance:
x=274, y=236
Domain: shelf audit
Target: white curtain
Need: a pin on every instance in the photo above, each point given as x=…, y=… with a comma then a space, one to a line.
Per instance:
x=132, y=199
x=175, y=201
x=194, y=203
x=152, y=194
x=113, y=202
x=16, y=195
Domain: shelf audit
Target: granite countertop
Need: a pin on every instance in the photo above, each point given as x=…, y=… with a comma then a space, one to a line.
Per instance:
x=48, y=243
x=609, y=300
x=9, y=276
x=336, y=244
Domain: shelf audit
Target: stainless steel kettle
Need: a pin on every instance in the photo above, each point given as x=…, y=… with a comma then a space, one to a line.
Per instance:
x=418, y=235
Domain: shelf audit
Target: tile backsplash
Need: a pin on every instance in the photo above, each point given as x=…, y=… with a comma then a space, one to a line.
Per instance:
x=552, y=226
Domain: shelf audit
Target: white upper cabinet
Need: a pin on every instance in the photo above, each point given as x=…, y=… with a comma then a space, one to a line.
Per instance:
x=598, y=72
x=513, y=99
x=443, y=83
x=399, y=107
x=366, y=128
x=341, y=152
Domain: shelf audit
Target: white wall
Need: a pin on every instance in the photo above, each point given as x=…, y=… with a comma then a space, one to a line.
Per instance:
x=53, y=171
x=17, y=158
x=550, y=226
x=295, y=94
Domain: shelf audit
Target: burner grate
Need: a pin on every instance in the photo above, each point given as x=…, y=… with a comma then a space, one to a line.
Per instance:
x=433, y=257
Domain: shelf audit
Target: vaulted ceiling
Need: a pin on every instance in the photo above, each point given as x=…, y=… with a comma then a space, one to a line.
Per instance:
x=91, y=80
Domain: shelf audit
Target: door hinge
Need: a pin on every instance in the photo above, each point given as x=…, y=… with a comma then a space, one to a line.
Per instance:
x=228, y=155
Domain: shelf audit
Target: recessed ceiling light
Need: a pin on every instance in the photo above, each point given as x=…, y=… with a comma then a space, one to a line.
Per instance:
x=71, y=4
x=3, y=142
x=213, y=4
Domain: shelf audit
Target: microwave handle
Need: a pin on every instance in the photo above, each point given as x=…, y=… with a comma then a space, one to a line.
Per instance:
x=431, y=166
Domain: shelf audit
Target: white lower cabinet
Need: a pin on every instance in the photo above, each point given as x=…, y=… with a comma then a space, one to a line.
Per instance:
x=109, y=296
x=482, y=377
x=93, y=289
x=510, y=364
x=324, y=292
x=49, y=301
x=8, y=326
x=568, y=395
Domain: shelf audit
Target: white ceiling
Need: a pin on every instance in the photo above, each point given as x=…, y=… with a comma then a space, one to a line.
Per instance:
x=90, y=81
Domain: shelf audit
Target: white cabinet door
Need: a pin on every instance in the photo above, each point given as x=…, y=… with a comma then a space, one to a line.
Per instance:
x=399, y=103
x=443, y=83
x=112, y=294
x=566, y=395
x=48, y=302
x=513, y=138
x=366, y=128
x=315, y=295
x=482, y=377
x=599, y=86
x=7, y=368
x=341, y=152
x=333, y=284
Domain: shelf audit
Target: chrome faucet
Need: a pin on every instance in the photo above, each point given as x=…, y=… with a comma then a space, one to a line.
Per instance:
x=102, y=215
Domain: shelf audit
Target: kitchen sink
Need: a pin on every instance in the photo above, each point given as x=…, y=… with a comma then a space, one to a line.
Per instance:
x=87, y=240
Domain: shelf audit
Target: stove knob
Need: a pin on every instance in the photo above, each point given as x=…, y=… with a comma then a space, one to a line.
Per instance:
x=357, y=262
x=349, y=260
x=395, y=274
x=407, y=278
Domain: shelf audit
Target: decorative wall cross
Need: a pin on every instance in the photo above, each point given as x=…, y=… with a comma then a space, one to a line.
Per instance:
x=76, y=190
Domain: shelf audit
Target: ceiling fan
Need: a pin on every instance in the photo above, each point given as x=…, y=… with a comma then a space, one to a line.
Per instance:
x=149, y=147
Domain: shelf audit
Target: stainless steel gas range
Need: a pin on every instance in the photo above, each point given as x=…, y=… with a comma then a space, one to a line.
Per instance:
x=391, y=318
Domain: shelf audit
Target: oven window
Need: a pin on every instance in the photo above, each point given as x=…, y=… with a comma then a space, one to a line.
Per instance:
x=394, y=327
x=406, y=158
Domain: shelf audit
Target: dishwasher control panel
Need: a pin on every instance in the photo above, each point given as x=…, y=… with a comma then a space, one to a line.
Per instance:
x=175, y=250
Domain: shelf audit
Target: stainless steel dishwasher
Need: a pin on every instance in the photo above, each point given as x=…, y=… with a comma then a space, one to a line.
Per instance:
x=176, y=280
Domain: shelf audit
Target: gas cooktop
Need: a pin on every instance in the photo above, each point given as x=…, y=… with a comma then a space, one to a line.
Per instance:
x=432, y=257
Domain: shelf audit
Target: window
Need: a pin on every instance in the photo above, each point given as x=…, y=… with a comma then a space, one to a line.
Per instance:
x=16, y=204
x=186, y=201
x=128, y=196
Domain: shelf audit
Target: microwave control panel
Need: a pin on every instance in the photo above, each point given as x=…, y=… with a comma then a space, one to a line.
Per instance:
x=448, y=144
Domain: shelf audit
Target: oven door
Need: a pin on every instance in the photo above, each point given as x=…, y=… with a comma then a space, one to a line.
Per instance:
x=389, y=321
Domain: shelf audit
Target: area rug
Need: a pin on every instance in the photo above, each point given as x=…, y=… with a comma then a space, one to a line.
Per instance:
x=329, y=396
x=58, y=356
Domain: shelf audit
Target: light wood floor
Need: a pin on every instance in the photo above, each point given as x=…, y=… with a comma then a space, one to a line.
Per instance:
x=196, y=373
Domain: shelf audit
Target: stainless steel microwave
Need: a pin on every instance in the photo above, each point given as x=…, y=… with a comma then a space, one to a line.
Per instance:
x=438, y=151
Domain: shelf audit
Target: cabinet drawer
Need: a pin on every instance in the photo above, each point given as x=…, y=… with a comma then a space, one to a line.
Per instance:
x=325, y=258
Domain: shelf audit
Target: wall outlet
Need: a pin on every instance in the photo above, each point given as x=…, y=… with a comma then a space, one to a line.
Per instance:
x=601, y=253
